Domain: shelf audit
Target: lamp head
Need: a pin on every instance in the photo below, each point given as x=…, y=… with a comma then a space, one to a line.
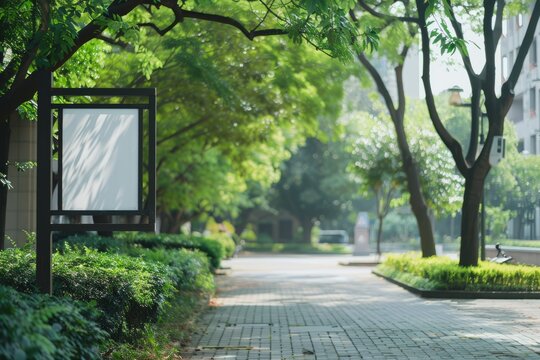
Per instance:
x=455, y=97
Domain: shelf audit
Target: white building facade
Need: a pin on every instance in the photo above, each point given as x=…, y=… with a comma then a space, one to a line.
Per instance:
x=525, y=110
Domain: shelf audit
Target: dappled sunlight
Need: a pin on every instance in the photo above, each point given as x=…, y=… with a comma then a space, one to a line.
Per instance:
x=100, y=159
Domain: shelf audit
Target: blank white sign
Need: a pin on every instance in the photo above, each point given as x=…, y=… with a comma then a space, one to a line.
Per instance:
x=100, y=165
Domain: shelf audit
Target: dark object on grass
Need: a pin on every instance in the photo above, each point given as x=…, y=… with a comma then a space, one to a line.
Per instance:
x=501, y=256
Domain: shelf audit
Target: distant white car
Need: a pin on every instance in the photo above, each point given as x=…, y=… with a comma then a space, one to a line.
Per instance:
x=333, y=237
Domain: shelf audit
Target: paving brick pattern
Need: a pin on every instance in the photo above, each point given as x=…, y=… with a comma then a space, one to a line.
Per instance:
x=311, y=308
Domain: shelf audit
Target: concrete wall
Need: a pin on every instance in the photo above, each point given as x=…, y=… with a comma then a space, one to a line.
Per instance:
x=21, y=205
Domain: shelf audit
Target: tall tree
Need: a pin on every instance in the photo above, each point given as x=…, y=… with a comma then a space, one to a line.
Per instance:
x=451, y=38
x=41, y=36
x=240, y=110
x=378, y=170
x=440, y=23
x=397, y=37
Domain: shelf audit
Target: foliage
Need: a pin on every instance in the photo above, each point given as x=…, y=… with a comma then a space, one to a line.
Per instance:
x=44, y=327
x=240, y=112
x=188, y=270
x=129, y=292
x=226, y=240
x=295, y=248
x=314, y=185
x=167, y=338
x=46, y=35
x=443, y=273
x=378, y=164
x=212, y=248
x=123, y=242
x=400, y=226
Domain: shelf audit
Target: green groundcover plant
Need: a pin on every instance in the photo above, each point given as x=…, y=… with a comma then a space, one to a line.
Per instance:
x=45, y=327
x=443, y=273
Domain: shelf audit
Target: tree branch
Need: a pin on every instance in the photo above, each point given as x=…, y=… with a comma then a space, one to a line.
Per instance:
x=381, y=86
x=489, y=43
x=499, y=16
x=184, y=129
x=389, y=18
x=116, y=42
x=25, y=87
x=181, y=14
x=451, y=143
x=399, y=81
x=459, y=33
x=30, y=54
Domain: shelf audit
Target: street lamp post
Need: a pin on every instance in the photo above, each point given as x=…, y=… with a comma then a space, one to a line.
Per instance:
x=455, y=100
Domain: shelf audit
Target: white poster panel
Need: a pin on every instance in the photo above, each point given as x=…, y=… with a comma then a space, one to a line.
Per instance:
x=100, y=166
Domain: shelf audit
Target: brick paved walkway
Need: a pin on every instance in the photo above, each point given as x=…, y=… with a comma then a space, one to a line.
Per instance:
x=310, y=308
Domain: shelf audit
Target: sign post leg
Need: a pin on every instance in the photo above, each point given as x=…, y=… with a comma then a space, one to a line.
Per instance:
x=43, y=216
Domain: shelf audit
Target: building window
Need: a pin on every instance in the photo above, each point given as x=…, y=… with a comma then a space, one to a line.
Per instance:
x=521, y=146
x=533, y=144
x=532, y=102
x=520, y=20
x=505, y=67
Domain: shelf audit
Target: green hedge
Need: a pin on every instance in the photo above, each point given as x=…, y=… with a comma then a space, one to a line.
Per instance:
x=122, y=242
x=188, y=270
x=44, y=327
x=443, y=273
x=212, y=248
x=129, y=292
x=229, y=246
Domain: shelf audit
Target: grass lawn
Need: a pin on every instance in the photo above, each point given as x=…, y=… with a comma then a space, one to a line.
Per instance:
x=442, y=273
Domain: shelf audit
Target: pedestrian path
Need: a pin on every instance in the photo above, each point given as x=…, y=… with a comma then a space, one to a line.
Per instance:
x=303, y=307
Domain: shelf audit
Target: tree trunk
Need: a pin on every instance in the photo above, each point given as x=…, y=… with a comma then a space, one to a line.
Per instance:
x=5, y=134
x=416, y=199
x=307, y=227
x=472, y=198
x=417, y=202
x=379, y=235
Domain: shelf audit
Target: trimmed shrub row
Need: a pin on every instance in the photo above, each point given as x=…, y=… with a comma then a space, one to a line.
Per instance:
x=129, y=282
x=215, y=249
x=128, y=292
x=44, y=327
x=442, y=273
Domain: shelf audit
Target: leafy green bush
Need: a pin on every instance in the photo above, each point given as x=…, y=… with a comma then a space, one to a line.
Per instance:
x=44, y=327
x=188, y=270
x=443, y=273
x=212, y=248
x=130, y=292
x=124, y=242
x=227, y=241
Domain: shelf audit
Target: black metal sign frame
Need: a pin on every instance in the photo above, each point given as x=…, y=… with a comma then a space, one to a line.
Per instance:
x=45, y=226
